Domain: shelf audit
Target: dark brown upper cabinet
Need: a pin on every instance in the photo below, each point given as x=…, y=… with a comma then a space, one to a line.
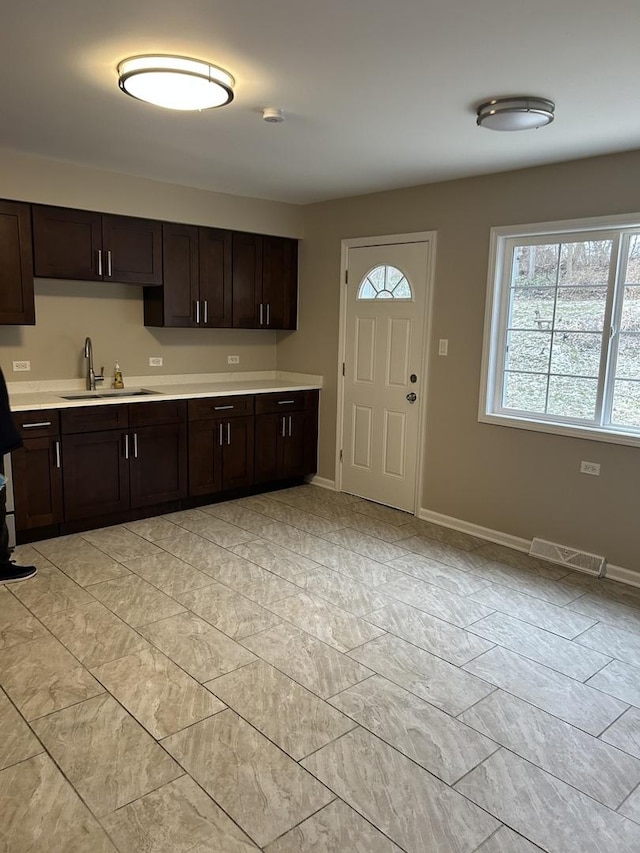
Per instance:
x=265, y=282
x=89, y=246
x=197, y=279
x=16, y=266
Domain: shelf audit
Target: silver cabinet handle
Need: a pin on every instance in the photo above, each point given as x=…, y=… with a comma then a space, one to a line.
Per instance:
x=135, y=445
x=197, y=312
x=36, y=425
x=283, y=426
x=220, y=434
x=268, y=314
x=206, y=311
x=285, y=402
x=109, y=267
x=228, y=432
x=99, y=261
x=261, y=314
x=289, y=426
x=220, y=408
x=126, y=446
x=58, y=461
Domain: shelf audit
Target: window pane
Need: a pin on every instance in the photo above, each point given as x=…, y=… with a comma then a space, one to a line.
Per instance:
x=580, y=309
x=572, y=398
x=626, y=403
x=532, y=307
x=384, y=282
x=524, y=391
x=585, y=263
x=528, y=351
x=628, y=363
x=631, y=309
x=576, y=354
x=535, y=266
x=633, y=260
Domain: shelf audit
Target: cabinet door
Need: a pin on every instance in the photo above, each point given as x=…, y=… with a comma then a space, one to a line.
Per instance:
x=16, y=266
x=67, y=243
x=295, y=455
x=95, y=474
x=205, y=457
x=238, y=453
x=280, y=282
x=37, y=483
x=132, y=250
x=158, y=464
x=175, y=303
x=215, y=277
x=268, y=447
x=247, y=281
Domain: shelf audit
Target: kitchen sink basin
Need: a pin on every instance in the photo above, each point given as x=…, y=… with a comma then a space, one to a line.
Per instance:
x=99, y=395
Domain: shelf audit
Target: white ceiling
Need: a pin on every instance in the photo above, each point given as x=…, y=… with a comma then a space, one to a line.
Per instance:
x=378, y=94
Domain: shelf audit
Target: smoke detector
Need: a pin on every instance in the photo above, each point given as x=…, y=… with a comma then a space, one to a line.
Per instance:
x=273, y=115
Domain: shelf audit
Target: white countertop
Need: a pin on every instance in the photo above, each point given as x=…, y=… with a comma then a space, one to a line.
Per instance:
x=50, y=394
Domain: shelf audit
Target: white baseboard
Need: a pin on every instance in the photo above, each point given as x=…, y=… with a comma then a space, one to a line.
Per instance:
x=612, y=572
x=323, y=482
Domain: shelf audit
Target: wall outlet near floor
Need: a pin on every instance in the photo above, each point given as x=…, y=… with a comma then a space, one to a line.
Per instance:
x=443, y=346
x=233, y=359
x=21, y=365
x=155, y=361
x=590, y=468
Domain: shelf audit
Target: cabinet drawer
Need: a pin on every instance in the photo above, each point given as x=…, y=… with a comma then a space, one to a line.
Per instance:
x=39, y=422
x=94, y=418
x=286, y=401
x=220, y=407
x=152, y=414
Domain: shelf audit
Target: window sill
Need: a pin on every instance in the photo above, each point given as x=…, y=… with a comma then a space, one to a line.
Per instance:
x=589, y=433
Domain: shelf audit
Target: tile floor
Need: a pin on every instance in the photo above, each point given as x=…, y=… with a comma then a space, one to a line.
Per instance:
x=305, y=672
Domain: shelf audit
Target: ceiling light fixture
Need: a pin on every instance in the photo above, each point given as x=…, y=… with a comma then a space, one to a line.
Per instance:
x=175, y=82
x=517, y=113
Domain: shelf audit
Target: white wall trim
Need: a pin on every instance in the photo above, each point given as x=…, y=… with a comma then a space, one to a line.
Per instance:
x=612, y=572
x=323, y=482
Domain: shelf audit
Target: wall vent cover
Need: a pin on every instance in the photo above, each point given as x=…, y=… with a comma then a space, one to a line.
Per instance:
x=579, y=561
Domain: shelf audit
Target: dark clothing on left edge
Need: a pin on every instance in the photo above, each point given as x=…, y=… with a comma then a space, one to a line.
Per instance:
x=9, y=436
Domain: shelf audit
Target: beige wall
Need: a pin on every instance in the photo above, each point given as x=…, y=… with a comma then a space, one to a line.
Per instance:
x=516, y=481
x=66, y=312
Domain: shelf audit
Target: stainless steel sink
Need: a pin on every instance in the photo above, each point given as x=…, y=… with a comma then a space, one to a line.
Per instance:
x=98, y=395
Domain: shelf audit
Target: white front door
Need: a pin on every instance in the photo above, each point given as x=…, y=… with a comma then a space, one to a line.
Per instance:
x=384, y=356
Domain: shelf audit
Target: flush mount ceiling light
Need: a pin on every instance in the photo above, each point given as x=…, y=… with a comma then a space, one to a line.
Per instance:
x=518, y=113
x=175, y=82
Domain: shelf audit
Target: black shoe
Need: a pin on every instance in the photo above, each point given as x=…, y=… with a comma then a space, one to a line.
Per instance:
x=10, y=572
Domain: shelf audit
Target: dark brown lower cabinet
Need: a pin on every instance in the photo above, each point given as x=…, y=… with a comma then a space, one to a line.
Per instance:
x=220, y=454
x=157, y=469
x=38, y=483
x=96, y=474
x=286, y=439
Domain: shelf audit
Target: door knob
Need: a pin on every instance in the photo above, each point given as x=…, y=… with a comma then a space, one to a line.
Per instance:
x=412, y=397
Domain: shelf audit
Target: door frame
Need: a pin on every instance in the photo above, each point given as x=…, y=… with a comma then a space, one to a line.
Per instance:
x=429, y=237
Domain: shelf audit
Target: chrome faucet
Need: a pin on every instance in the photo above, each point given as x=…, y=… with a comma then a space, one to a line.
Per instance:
x=91, y=375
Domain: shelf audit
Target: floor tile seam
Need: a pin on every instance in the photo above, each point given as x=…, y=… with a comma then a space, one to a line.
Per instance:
x=612, y=811
x=186, y=774
x=546, y=711
x=632, y=793
x=605, y=617
x=434, y=582
x=634, y=638
x=271, y=740
x=33, y=616
x=606, y=692
x=413, y=693
x=505, y=585
x=613, y=723
x=335, y=799
x=440, y=616
x=555, y=774
x=82, y=535
x=243, y=594
x=392, y=633
x=366, y=727
x=168, y=656
x=275, y=745
x=501, y=645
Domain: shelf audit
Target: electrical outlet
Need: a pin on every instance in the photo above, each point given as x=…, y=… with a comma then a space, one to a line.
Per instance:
x=233, y=359
x=443, y=346
x=155, y=361
x=590, y=468
x=21, y=365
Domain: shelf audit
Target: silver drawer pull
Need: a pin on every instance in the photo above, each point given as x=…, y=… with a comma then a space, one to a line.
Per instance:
x=37, y=425
x=285, y=402
x=219, y=408
x=58, y=461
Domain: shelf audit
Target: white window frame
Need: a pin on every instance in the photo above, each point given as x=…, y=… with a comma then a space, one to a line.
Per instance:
x=493, y=356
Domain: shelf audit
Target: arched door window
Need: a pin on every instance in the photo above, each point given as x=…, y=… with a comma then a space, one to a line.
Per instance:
x=384, y=282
